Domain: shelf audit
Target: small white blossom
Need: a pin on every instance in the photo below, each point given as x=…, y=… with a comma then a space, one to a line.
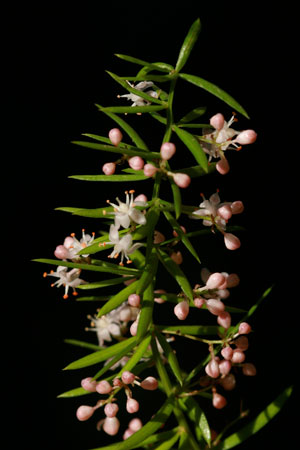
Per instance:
x=136, y=99
x=122, y=246
x=125, y=213
x=67, y=279
x=72, y=246
x=209, y=210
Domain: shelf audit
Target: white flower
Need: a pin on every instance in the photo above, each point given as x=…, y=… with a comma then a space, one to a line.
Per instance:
x=66, y=279
x=72, y=246
x=122, y=246
x=125, y=213
x=136, y=99
x=209, y=210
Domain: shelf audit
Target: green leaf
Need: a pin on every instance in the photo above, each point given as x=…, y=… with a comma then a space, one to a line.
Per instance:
x=214, y=90
x=162, y=436
x=137, y=356
x=97, y=213
x=118, y=299
x=103, y=283
x=82, y=344
x=196, y=415
x=132, y=109
x=194, y=330
x=255, y=425
x=171, y=357
x=118, y=149
x=146, y=431
x=112, y=178
x=148, y=273
x=176, y=197
x=181, y=235
x=193, y=145
x=176, y=272
x=194, y=114
x=159, y=118
x=197, y=171
x=188, y=44
x=138, y=141
x=102, y=355
x=162, y=67
x=92, y=298
x=168, y=444
x=77, y=392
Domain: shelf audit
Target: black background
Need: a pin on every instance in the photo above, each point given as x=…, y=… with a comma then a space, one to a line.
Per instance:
x=57, y=57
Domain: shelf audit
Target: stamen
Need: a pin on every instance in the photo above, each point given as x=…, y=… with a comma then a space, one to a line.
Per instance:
x=129, y=261
x=75, y=293
x=132, y=191
x=65, y=296
x=51, y=271
x=239, y=148
x=121, y=264
x=107, y=201
x=116, y=255
x=104, y=212
x=45, y=274
x=126, y=192
x=93, y=233
x=52, y=285
x=73, y=234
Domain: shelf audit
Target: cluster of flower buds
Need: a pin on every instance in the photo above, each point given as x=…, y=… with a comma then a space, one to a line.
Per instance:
x=111, y=424
x=223, y=138
x=216, y=214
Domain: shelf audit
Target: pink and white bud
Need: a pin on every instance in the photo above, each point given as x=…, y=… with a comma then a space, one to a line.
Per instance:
x=111, y=409
x=128, y=377
x=212, y=368
x=175, y=234
x=134, y=300
x=149, y=383
x=89, y=384
x=158, y=237
x=225, y=212
x=167, y=150
x=233, y=280
x=249, y=369
x=214, y=306
x=223, y=293
x=224, y=320
x=135, y=424
x=136, y=162
x=244, y=328
x=181, y=310
x=127, y=434
x=182, y=179
x=218, y=401
x=125, y=314
x=84, y=412
x=238, y=356
x=237, y=207
x=111, y=425
x=199, y=302
x=115, y=136
x=177, y=257
x=141, y=198
x=149, y=170
x=109, y=168
x=222, y=166
x=158, y=299
x=215, y=280
x=242, y=343
x=61, y=252
x=231, y=241
x=117, y=382
x=228, y=382
x=224, y=366
x=133, y=328
x=246, y=137
x=227, y=353
x=217, y=121
x=103, y=387
x=132, y=405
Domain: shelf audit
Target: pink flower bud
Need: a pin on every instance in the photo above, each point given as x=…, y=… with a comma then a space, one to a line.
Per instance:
x=233, y=280
x=224, y=320
x=61, y=252
x=219, y=401
x=158, y=299
x=215, y=280
x=199, y=302
x=177, y=257
x=84, y=412
x=222, y=166
x=246, y=137
x=149, y=383
x=115, y=136
x=111, y=409
x=134, y=300
x=217, y=121
x=136, y=163
x=231, y=241
x=149, y=170
x=214, y=306
x=227, y=352
x=125, y=314
x=224, y=366
x=109, y=168
x=181, y=310
x=111, y=425
x=132, y=405
x=89, y=384
x=127, y=434
x=249, y=369
x=182, y=179
x=158, y=237
x=237, y=207
x=135, y=424
x=133, y=328
x=244, y=328
x=103, y=387
x=68, y=242
x=117, y=382
x=175, y=234
x=242, y=343
x=167, y=150
x=225, y=212
x=128, y=377
x=141, y=198
x=228, y=382
x=212, y=368
x=238, y=356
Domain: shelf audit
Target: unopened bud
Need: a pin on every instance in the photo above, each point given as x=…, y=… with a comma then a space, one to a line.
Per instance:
x=237, y=207
x=89, y=384
x=84, y=412
x=177, y=257
x=127, y=434
x=158, y=237
x=219, y=401
x=214, y=306
x=224, y=320
x=132, y=405
x=231, y=241
x=149, y=170
x=115, y=136
x=217, y=121
x=212, y=368
x=182, y=179
x=199, y=302
x=135, y=424
x=111, y=425
x=134, y=300
x=167, y=150
x=224, y=366
x=238, y=356
x=181, y=310
x=249, y=369
x=149, y=383
x=128, y=377
x=111, y=409
x=133, y=328
x=183, y=229
x=225, y=212
x=246, y=137
x=125, y=314
x=158, y=299
x=233, y=280
x=228, y=382
x=103, y=387
x=215, y=280
x=109, y=168
x=222, y=166
x=227, y=352
x=141, y=198
x=61, y=252
x=136, y=162
x=244, y=328
x=242, y=343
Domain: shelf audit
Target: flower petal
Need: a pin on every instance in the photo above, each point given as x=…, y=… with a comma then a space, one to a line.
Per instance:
x=138, y=217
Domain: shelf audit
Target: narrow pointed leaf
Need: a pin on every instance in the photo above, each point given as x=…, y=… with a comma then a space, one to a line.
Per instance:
x=159, y=118
x=97, y=213
x=137, y=356
x=168, y=444
x=214, y=90
x=162, y=67
x=77, y=392
x=171, y=357
x=194, y=147
x=118, y=149
x=102, y=355
x=145, y=318
x=197, y=171
x=133, y=109
x=82, y=344
x=118, y=299
x=259, y=422
x=176, y=197
x=196, y=415
x=194, y=330
x=112, y=178
x=192, y=115
x=103, y=283
x=188, y=44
